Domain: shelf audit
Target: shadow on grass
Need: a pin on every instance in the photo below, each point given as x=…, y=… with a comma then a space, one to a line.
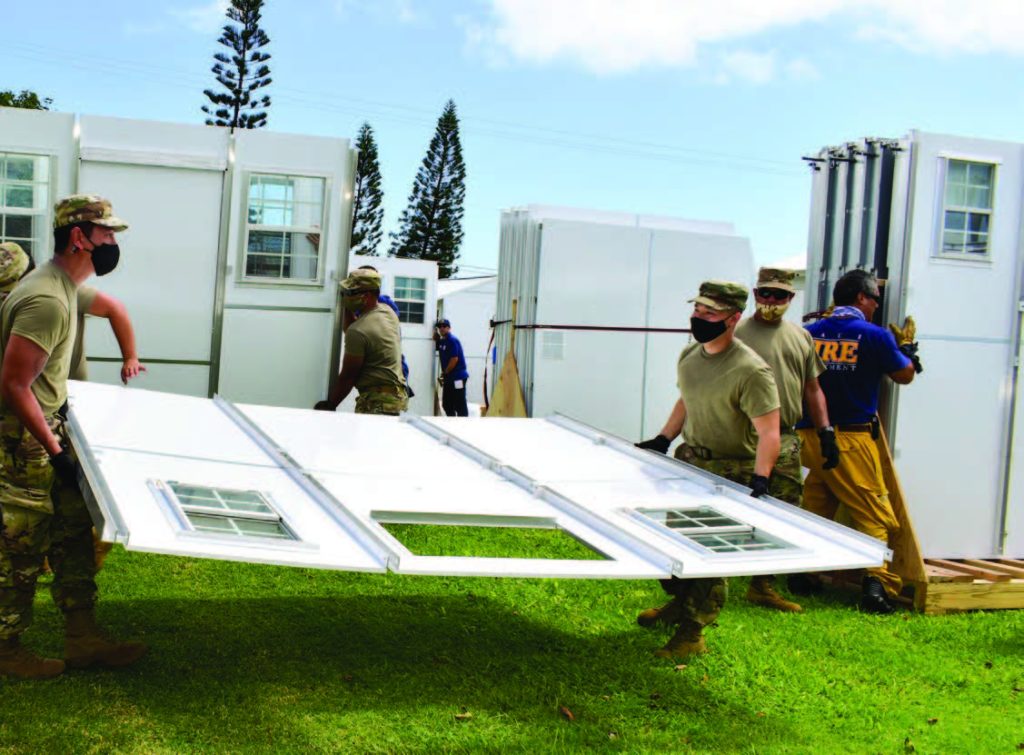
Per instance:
x=298, y=668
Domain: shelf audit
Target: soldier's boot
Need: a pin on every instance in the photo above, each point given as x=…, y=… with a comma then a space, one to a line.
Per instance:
x=85, y=645
x=17, y=660
x=804, y=584
x=873, y=598
x=670, y=613
x=762, y=593
x=686, y=642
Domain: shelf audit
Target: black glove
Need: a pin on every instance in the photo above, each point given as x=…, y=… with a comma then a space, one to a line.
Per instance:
x=66, y=467
x=909, y=350
x=829, y=449
x=758, y=486
x=659, y=444
x=323, y=406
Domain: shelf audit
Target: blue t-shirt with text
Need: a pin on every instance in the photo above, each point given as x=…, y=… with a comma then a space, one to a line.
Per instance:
x=450, y=347
x=857, y=354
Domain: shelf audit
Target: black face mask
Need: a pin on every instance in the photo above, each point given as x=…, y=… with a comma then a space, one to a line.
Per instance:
x=105, y=257
x=705, y=330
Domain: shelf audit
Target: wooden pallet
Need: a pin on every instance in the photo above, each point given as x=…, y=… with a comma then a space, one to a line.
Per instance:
x=969, y=585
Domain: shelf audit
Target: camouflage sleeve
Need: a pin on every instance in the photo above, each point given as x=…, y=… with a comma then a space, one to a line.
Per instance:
x=43, y=320
x=760, y=395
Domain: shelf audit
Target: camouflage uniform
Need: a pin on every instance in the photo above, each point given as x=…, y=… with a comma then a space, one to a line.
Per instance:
x=40, y=514
x=13, y=264
x=390, y=400
x=786, y=480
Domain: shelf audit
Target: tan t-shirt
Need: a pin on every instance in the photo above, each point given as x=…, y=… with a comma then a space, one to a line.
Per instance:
x=79, y=365
x=44, y=309
x=377, y=337
x=721, y=393
x=789, y=351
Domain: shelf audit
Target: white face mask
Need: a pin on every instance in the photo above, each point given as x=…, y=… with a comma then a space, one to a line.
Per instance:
x=772, y=312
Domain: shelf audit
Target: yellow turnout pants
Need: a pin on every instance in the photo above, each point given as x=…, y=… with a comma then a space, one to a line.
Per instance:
x=858, y=484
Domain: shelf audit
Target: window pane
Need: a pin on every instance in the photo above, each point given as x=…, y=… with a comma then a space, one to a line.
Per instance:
x=272, y=214
x=18, y=196
x=205, y=523
x=977, y=243
x=268, y=242
x=279, y=189
x=956, y=172
x=979, y=197
x=20, y=168
x=977, y=222
x=256, y=528
x=956, y=195
x=955, y=221
x=17, y=226
x=263, y=266
x=410, y=311
x=979, y=174
x=953, y=242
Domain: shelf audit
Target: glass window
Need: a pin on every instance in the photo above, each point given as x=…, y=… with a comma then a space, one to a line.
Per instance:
x=284, y=217
x=238, y=513
x=411, y=297
x=967, y=210
x=714, y=531
x=25, y=201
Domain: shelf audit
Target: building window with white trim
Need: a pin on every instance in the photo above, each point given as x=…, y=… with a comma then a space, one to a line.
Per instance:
x=230, y=513
x=285, y=215
x=25, y=202
x=411, y=298
x=967, y=209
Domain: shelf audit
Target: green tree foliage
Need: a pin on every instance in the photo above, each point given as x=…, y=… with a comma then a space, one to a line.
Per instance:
x=24, y=99
x=431, y=226
x=367, y=206
x=241, y=73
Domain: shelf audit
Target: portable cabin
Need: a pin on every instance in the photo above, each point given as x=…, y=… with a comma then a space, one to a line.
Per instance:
x=601, y=310
x=938, y=218
x=236, y=243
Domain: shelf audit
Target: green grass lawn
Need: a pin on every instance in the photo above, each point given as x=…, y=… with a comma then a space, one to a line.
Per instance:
x=253, y=658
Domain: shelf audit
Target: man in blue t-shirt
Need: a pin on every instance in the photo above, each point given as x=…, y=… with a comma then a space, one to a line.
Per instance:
x=453, y=370
x=857, y=355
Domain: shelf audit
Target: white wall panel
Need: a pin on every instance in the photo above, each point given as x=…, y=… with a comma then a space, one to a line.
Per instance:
x=187, y=379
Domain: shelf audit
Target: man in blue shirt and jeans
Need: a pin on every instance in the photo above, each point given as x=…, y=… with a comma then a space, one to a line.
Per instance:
x=858, y=356
x=453, y=370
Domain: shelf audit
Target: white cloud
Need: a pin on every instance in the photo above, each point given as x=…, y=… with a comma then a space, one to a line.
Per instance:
x=612, y=36
x=753, y=67
x=403, y=11
x=802, y=69
x=204, y=19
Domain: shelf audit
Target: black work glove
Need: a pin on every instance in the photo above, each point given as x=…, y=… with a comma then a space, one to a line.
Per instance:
x=909, y=350
x=758, y=486
x=323, y=406
x=658, y=444
x=829, y=449
x=66, y=467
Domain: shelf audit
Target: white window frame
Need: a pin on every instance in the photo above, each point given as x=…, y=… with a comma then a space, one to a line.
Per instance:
x=186, y=507
x=41, y=244
x=262, y=280
x=942, y=208
x=406, y=300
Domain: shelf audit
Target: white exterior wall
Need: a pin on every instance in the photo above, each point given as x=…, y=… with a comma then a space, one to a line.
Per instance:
x=469, y=305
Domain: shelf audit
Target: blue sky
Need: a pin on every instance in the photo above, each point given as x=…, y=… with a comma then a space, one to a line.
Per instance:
x=672, y=107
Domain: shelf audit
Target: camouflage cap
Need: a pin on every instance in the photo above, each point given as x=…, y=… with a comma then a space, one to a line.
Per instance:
x=722, y=295
x=775, y=277
x=361, y=280
x=13, y=264
x=79, y=208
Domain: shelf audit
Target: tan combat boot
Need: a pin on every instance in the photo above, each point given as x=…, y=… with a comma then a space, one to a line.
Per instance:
x=687, y=641
x=19, y=661
x=85, y=645
x=668, y=614
x=762, y=592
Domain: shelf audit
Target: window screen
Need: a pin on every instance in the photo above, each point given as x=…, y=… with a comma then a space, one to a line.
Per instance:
x=411, y=297
x=967, y=213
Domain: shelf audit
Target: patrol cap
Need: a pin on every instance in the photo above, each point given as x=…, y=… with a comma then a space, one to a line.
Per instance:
x=361, y=280
x=13, y=264
x=775, y=277
x=722, y=295
x=80, y=208
x=442, y=323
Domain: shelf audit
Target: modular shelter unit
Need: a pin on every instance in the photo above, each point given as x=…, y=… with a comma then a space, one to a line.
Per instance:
x=601, y=308
x=939, y=219
x=469, y=304
x=236, y=242
x=413, y=285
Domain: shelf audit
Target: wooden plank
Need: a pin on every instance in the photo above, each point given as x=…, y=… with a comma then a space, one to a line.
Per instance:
x=1012, y=562
x=906, y=559
x=1013, y=571
x=955, y=596
x=991, y=576
x=939, y=574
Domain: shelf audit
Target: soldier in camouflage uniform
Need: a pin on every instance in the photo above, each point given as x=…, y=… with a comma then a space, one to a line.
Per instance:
x=41, y=506
x=14, y=263
x=728, y=413
x=373, y=350
x=789, y=351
